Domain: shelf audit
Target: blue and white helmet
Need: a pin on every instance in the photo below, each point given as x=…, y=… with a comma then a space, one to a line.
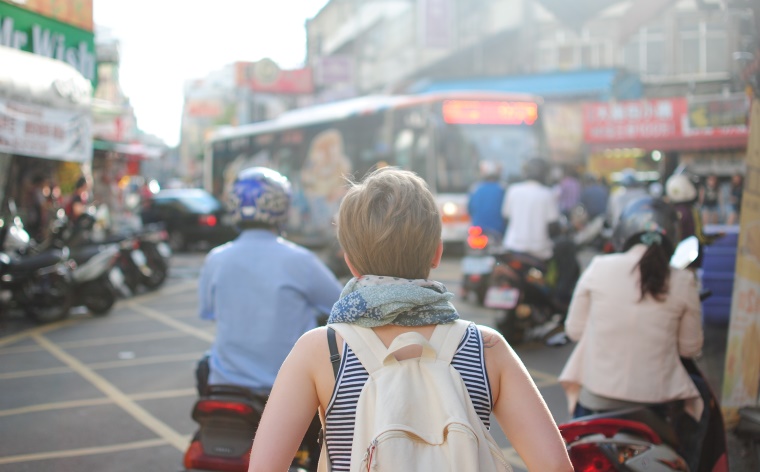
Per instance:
x=261, y=195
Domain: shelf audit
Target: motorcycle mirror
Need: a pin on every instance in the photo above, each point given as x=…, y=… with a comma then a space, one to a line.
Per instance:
x=686, y=252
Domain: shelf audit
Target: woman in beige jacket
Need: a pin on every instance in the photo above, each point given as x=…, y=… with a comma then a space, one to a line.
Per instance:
x=633, y=317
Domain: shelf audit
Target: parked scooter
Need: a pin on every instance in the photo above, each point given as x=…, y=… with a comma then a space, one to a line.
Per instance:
x=39, y=284
x=97, y=279
x=638, y=439
x=478, y=262
x=227, y=417
x=143, y=258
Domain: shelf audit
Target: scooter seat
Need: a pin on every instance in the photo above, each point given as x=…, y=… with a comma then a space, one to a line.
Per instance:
x=644, y=415
x=37, y=261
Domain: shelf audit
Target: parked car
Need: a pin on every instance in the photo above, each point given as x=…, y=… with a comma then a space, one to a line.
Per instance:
x=191, y=216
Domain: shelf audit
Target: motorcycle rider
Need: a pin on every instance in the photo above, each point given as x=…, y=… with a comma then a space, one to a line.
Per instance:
x=263, y=291
x=682, y=194
x=484, y=203
x=633, y=316
x=533, y=228
x=630, y=189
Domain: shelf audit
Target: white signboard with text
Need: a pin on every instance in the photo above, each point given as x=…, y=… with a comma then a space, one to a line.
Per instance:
x=38, y=131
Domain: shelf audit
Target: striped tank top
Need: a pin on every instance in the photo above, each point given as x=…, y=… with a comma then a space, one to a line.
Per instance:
x=341, y=412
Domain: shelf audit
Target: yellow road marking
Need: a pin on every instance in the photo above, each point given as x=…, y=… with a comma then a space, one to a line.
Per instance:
x=56, y=406
x=162, y=394
x=180, y=392
x=542, y=379
x=169, y=321
x=38, y=330
x=146, y=361
x=34, y=373
x=98, y=342
x=513, y=457
x=87, y=451
x=130, y=406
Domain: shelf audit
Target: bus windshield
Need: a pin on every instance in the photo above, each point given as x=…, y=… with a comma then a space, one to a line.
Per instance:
x=464, y=146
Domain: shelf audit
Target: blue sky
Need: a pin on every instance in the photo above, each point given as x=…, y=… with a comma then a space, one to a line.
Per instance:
x=164, y=43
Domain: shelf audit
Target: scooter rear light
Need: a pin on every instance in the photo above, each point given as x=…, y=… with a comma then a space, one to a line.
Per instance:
x=590, y=458
x=476, y=239
x=216, y=406
x=608, y=427
x=207, y=220
x=196, y=458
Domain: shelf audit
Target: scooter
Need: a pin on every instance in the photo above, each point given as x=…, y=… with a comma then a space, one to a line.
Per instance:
x=39, y=284
x=227, y=418
x=533, y=307
x=97, y=279
x=637, y=439
x=478, y=262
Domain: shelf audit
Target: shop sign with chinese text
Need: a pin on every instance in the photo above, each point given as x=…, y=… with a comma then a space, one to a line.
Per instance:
x=38, y=131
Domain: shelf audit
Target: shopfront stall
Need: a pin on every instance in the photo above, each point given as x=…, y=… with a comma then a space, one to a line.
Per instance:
x=45, y=124
x=709, y=134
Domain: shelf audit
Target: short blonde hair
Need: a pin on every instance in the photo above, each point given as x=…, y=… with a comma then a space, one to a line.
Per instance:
x=389, y=225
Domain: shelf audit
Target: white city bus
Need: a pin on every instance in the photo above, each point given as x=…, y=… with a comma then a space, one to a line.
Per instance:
x=442, y=137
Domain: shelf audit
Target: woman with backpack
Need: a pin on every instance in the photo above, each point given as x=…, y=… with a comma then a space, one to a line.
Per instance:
x=399, y=381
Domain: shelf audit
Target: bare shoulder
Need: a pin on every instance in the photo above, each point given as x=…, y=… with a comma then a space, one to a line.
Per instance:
x=491, y=337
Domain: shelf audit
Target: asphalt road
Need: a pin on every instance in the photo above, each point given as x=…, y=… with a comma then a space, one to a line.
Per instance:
x=115, y=393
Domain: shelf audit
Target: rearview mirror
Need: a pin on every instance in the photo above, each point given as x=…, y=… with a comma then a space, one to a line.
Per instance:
x=686, y=252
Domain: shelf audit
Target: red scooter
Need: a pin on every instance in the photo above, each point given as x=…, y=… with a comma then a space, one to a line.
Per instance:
x=638, y=439
x=227, y=417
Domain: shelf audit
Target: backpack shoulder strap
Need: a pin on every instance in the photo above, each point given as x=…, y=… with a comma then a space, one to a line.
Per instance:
x=446, y=338
x=333, y=345
x=365, y=344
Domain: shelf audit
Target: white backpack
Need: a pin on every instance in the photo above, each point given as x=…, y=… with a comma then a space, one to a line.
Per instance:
x=416, y=414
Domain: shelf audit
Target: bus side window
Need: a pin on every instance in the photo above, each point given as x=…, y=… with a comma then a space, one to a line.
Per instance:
x=403, y=149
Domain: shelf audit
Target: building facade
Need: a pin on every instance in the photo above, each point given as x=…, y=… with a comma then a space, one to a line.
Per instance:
x=574, y=55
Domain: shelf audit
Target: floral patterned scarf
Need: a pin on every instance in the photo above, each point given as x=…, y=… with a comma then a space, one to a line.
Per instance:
x=373, y=300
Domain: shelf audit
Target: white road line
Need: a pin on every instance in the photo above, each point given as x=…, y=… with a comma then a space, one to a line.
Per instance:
x=169, y=321
x=130, y=406
x=88, y=451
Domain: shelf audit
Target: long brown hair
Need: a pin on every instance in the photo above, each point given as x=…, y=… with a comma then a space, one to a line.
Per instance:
x=654, y=268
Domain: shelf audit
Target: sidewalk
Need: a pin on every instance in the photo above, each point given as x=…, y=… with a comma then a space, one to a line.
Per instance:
x=712, y=364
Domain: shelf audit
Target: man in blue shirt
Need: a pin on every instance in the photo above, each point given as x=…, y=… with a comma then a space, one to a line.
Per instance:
x=263, y=291
x=484, y=204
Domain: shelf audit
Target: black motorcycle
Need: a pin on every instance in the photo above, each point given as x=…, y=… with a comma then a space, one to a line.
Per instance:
x=227, y=418
x=97, y=279
x=39, y=284
x=532, y=295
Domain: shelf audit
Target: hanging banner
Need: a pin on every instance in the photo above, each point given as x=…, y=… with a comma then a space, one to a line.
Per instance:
x=741, y=382
x=37, y=131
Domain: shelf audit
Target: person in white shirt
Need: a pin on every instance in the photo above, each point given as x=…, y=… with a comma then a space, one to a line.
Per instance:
x=532, y=213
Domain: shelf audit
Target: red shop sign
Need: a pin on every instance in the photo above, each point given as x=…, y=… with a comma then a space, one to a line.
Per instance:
x=633, y=120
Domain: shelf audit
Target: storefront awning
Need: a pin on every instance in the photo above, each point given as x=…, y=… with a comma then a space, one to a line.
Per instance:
x=602, y=84
x=44, y=108
x=38, y=80
x=138, y=150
